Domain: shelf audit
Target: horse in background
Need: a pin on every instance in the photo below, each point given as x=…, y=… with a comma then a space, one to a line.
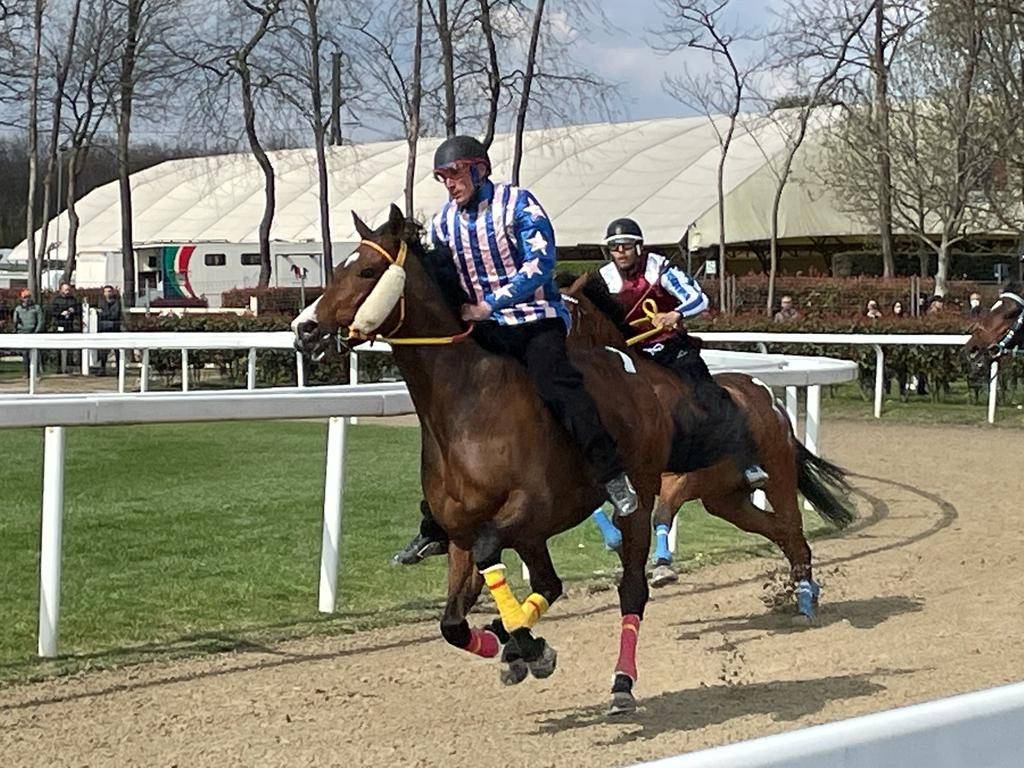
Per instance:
x=1000, y=331
x=600, y=321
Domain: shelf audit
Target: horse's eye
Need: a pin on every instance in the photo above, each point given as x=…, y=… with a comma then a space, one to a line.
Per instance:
x=367, y=272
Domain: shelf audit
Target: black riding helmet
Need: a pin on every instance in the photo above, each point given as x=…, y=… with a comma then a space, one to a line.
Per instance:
x=460, y=149
x=622, y=232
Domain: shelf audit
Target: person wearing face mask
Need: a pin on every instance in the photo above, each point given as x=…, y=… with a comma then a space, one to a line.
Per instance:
x=975, y=310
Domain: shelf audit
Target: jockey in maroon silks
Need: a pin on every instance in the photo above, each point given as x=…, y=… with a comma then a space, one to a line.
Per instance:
x=637, y=279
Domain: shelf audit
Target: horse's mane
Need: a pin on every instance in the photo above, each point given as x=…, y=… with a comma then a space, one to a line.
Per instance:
x=592, y=286
x=438, y=265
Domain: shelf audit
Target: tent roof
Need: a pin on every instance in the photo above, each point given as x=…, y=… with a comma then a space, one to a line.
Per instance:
x=661, y=172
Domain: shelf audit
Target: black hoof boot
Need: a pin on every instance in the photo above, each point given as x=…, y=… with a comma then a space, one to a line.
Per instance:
x=623, y=702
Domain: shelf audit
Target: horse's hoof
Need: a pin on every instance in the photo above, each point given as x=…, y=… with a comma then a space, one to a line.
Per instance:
x=623, y=703
x=514, y=672
x=545, y=665
x=663, y=575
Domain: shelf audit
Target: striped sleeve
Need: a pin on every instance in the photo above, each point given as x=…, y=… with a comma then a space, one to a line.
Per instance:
x=692, y=300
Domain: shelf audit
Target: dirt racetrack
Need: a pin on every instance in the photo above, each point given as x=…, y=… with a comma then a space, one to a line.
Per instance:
x=925, y=598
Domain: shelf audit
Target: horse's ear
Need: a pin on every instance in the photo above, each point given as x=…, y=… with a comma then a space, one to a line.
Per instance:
x=396, y=221
x=364, y=231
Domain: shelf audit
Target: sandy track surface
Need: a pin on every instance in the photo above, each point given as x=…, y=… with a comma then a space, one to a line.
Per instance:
x=922, y=599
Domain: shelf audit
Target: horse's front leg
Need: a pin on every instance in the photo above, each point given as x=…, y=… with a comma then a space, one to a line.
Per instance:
x=464, y=584
x=633, y=596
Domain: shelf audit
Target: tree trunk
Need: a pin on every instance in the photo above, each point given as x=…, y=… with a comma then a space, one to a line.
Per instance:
x=493, y=74
x=336, y=101
x=773, y=248
x=942, y=272
x=124, y=123
x=53, y=157
x=269, y=190
x=884, y=156
x=448, y=63
x=33, y=151
x=73, y=221
x=312, y=9
x=524, y=100
x=415, y=98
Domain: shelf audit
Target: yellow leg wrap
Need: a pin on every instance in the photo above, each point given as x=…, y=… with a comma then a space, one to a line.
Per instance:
x=534, y=607
x=508, y=607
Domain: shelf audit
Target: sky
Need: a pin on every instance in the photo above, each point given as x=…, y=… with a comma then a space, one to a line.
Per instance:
x=627, y=55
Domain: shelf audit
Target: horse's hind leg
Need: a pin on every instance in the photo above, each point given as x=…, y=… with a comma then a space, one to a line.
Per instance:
x=547, y=588
x=464, y=584
x=633, y=596
x=782, y=495
x=673, y=494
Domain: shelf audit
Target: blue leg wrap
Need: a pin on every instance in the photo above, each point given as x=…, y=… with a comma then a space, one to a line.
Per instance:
x=807, y=593
x=611, y=535
x=661, y=550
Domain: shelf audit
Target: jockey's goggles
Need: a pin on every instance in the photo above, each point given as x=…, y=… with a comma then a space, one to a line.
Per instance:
x=622, y=242
x=456, y=169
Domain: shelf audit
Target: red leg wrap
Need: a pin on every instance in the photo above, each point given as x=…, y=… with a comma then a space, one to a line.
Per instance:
x=626, y=664
x=484, y=643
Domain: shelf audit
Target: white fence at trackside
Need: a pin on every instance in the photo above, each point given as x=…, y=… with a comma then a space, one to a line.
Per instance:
x=980, y=730
x=55, y=412
x=180, y=342
x=877, y=341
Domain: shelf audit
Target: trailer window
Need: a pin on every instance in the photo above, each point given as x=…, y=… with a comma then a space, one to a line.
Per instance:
x=215, y=260
x=250, y=259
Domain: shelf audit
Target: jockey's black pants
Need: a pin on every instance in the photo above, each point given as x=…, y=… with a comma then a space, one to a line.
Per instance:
x=540, y=347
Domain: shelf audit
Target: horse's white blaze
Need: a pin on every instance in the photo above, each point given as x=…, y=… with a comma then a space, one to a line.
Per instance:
x=351, y=259
x=381, y=301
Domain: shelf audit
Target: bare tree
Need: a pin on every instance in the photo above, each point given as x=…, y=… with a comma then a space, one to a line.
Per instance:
x=529, y=71
x=33, y=148
x=89, y=104
x=493, y=73
x=813, y=47
x=63, y=60
x=699, y=24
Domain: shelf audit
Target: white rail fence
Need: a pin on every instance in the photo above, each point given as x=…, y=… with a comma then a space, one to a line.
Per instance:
x=984, y=729
x=283, y=340
x=56, y=412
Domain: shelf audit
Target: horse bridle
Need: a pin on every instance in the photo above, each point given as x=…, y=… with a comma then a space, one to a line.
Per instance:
x=1005, y=345
x=399, y=261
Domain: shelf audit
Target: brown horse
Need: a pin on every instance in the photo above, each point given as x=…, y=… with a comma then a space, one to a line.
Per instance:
x=1000, y=331
x=599, y=321
x=497, y=470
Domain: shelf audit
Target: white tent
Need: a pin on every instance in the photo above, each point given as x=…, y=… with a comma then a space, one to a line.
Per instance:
x=660, y=172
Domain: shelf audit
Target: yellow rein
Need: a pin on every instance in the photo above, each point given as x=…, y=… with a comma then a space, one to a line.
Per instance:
x=399, y=260
x=650, y=309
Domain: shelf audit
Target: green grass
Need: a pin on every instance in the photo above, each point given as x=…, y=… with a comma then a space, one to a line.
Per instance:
x=182, y=539
x=848, y=401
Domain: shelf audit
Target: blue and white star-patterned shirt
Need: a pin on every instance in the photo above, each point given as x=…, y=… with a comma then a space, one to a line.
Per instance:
x=503, y=247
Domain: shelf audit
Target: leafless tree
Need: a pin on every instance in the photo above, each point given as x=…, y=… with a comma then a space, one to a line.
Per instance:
x=736, y=57
x=33, y=146
x=529, y=72
x=88, y=102
x=813, y=46
x=62, y=55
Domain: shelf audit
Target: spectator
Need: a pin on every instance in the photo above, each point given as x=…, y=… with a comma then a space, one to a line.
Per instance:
x=975, y=311
x=936, y=305
x=873, y=312
x=109, y=316
x=897, y=310
x=67, y=312
x=787, y=313
x=28, y=318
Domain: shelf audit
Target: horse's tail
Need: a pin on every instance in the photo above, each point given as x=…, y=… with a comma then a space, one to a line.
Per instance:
x=824, y=485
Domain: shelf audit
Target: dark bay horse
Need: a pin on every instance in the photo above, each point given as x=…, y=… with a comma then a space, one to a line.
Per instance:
x=600, y=321
x=1000, y=331
x=497, y=470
